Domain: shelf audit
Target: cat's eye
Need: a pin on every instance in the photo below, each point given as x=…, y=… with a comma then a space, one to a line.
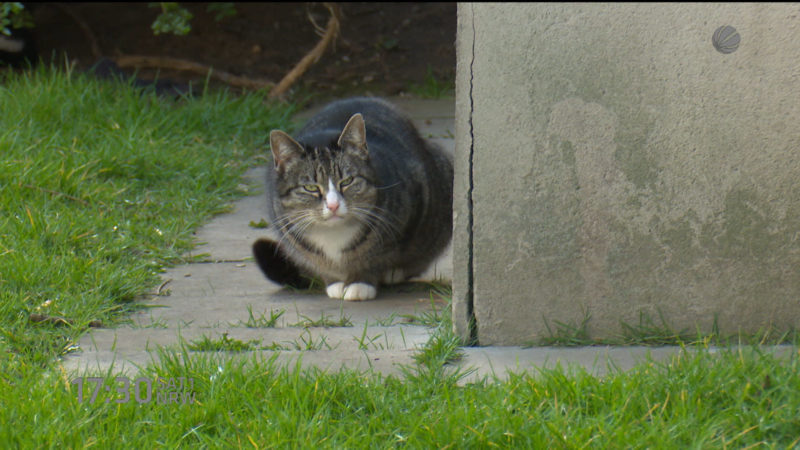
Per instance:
x=346, y=182
x=311, y=188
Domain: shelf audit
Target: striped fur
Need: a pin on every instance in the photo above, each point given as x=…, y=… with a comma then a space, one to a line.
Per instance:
x=357, y=197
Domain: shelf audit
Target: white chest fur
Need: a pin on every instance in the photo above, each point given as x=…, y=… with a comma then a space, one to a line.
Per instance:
x=332, y=239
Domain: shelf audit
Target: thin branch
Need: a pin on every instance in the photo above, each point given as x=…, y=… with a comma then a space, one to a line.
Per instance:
x=160, y=288
x=331, y=32
x=165, y=62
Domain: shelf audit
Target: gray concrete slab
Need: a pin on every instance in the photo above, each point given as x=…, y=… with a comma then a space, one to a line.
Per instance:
x=604, y=171
x=386, y=362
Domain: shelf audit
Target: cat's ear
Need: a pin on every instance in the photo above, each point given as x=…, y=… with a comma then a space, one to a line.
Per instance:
x=284, y=148
x=354, y=135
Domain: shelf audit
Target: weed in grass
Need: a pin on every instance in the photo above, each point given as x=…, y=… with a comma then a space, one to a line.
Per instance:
x=262, y=321
x=223, y=344
x=364, y=341
x=567, y=335
x=306, y=341
x=427, y=318
x=648, y=332
x=323, y=321
x=436, y=315
x=387, y=321
x=275, y=346
x=260, y=224
x=316, y=286
x=432, y=368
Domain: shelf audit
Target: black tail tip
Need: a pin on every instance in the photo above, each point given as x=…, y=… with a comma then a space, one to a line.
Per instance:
x=277, y=267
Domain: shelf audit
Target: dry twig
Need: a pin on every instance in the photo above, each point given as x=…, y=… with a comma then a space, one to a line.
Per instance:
x=166, y=62
x=331, y=32
x=163, y=62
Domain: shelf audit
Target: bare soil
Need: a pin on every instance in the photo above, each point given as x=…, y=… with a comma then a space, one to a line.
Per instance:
x=383, y=48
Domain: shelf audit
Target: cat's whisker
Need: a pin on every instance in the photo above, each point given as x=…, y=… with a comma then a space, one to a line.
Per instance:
x=377, y=221
x=389, y=186
x=375, y=229
x=384, y=227
x=292, y=225
x=384, y=216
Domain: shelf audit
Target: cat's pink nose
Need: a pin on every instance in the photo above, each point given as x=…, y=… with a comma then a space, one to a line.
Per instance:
x=333, y=206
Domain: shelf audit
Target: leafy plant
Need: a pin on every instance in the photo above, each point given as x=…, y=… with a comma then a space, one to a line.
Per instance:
x=14, y=16
x=176, y=19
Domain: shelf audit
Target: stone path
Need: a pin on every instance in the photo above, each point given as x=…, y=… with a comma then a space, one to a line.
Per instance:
x=220, y=296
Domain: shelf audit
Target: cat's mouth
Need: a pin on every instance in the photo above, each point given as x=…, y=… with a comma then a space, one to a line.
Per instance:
x=332, y=218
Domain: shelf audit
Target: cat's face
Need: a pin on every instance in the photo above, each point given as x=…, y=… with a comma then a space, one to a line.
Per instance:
x=324, y=186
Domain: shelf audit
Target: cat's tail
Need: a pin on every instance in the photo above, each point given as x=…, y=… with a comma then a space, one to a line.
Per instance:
x=277, y=267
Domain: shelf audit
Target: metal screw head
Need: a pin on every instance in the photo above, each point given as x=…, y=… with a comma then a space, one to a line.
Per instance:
x=726, y=39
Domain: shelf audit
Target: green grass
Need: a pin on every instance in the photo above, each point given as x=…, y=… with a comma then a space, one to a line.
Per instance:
x=323, y=321
x=734, y=398
x=222, y=344
x=652, y=332
x=262, y=321
x=101, y=187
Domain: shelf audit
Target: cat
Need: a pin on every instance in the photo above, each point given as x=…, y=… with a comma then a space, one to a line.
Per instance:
x=358, y=198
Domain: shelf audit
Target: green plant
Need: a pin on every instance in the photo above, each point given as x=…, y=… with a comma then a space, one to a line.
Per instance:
x=648, y=332
x=261, y=321
x=260, y=224
x=306, y=341
x=323, y=321
x=13, y=15
x=435, y=316
x=365, y=341
x=223, y=343
x=567, y=334
x=176, y=19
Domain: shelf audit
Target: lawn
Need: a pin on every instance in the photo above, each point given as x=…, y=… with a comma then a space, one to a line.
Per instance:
x=101, y=187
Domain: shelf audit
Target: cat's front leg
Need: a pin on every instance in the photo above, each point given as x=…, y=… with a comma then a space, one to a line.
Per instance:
x=353, y=292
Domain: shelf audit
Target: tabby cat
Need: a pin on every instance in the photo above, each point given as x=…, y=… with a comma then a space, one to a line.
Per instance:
x=358, y=198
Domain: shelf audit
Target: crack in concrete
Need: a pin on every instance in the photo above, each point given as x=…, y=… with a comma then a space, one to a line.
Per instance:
x=472, y=323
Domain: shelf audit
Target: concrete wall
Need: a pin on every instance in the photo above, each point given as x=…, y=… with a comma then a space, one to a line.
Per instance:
x=610, y=161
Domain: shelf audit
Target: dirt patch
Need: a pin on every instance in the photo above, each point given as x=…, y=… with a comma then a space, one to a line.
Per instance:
x=383, y=48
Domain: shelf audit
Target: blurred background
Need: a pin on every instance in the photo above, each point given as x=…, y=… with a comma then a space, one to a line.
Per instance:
x=380, y=49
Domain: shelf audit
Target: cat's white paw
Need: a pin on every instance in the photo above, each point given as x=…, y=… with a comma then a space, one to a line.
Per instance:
x=335, y=290
x=360, y=291
x=394, y=276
